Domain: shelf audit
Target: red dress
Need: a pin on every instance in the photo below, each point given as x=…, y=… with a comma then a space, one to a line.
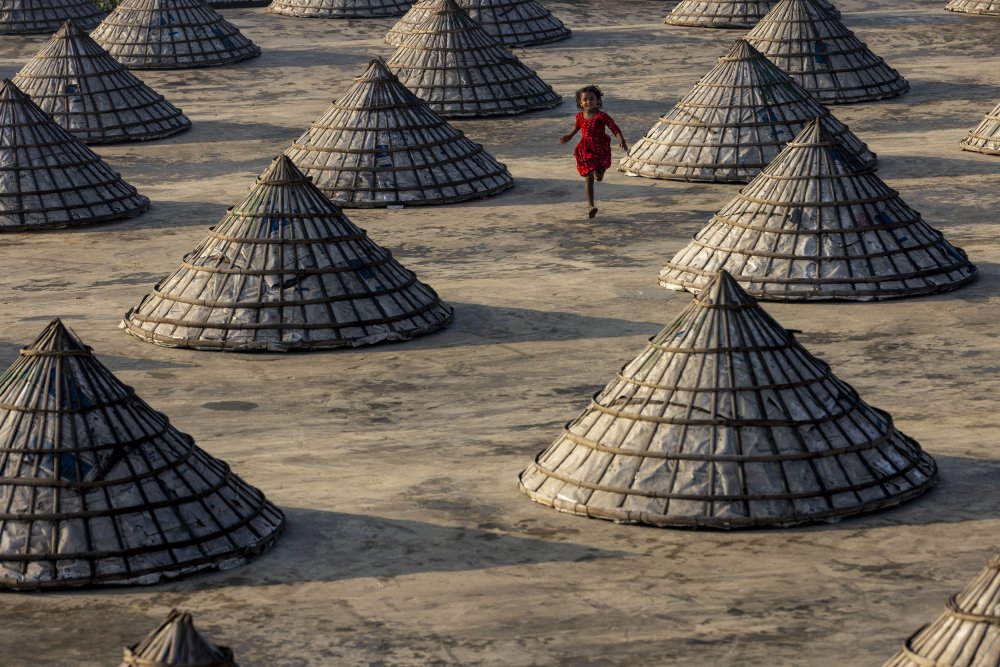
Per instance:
x=594, y=150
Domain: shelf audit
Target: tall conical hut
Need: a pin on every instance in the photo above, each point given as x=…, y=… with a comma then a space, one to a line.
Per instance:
x=381, y=145
x=965, y=634
x=286, y=270
x=511, y=22
x=735, y=120
x=807, y=39
x=339, y=9
x=988, y=7
x=177, y=643
x=460, y=70
x=726, y=421
x=49, y=178
x=41, y=17
x=171, y=34
x=719, y=13
x=93, y=96
x=818, y=224
x=99, y=488
x=986, y=137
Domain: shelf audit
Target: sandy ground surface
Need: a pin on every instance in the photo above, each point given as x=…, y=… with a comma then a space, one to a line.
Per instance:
x=407, y=540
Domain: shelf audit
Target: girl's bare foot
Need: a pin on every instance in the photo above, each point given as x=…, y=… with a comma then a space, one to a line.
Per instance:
x=592, y=212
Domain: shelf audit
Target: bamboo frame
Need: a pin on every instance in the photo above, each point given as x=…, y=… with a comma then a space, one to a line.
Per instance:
x=726, y=421
x=817, y=224
x=511, y=22
x=719, y=13
x=339, y=9
x=807, y=39
x=965, y=634
x=41, y=17
x=286, y=270
x=983, y=7
x=59, y=182
x=93, y=96
x=460, y=70
x=986, y=137
x=735, y=120
x=96, y=487
x=171, y=34
x=381, y=145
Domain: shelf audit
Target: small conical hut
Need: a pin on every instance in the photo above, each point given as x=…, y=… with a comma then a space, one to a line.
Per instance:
x=99, y=488
x=807, y=39
x=339, y=9
x=511, y=22
x=286, y=270
x=381, y=145
x=171, y=34
x=49, y=178
x=719, y=13
x=989, y=7
x=986, y=137
x=177, y=643
x=460, y=70
x=734, y=121
x=966, y=634
x=41, y=17
x=726, y=421
x=818, y=224
x=93, y=96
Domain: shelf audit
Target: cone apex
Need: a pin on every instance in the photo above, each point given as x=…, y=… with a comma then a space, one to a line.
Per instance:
x=56, y=337
x=282, y=171
x=742, y=50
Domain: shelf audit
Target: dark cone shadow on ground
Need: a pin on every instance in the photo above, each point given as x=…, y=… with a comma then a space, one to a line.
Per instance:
x=332, y=546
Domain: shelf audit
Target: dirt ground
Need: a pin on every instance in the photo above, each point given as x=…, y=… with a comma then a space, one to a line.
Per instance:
x=408, y=542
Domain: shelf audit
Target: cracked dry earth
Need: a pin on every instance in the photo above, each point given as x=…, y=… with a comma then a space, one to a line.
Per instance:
x=407, y=540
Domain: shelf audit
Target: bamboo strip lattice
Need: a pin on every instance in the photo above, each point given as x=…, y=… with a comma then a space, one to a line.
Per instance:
x=96, y=487
x=93, y=96
x=177, y=643
x=726, y=421
x=381, y=145
x=286, y=270
x=171, y=34
x=460, y=70
x=719, y=13
x=817, y=224
x=233, y=4
x=339, y=9
x=28, y=17
x=986, y=137
x=49, y=178
x=807, y=39
x=966, y=634
x=511, y=22
x=734, y=121
x=988, y=7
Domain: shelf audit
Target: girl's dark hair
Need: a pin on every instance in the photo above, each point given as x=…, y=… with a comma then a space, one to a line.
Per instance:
x=590, y=89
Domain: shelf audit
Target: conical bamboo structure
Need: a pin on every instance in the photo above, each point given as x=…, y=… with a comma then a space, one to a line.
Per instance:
x=817, y=224
x=966, y=634
x=381, y=145
x=511, y=22
x=31, y=17
x=460, y=70
x=98, y=488
x=726, y=421
x=93, y=96
x=986, y=137
x=719, y=13
x=339, y=9
x=49, y=178
x=734, y=121
x=233, y=4
x=177, y=643
x=989, y=7
x=286, y=270
x=171, y=34
x=807, y=39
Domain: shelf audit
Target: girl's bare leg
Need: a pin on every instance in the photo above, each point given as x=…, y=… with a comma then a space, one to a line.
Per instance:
x=588, y=188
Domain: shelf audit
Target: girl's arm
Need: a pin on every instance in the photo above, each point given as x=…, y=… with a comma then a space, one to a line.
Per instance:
x=576, y=126
x=615, y=131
